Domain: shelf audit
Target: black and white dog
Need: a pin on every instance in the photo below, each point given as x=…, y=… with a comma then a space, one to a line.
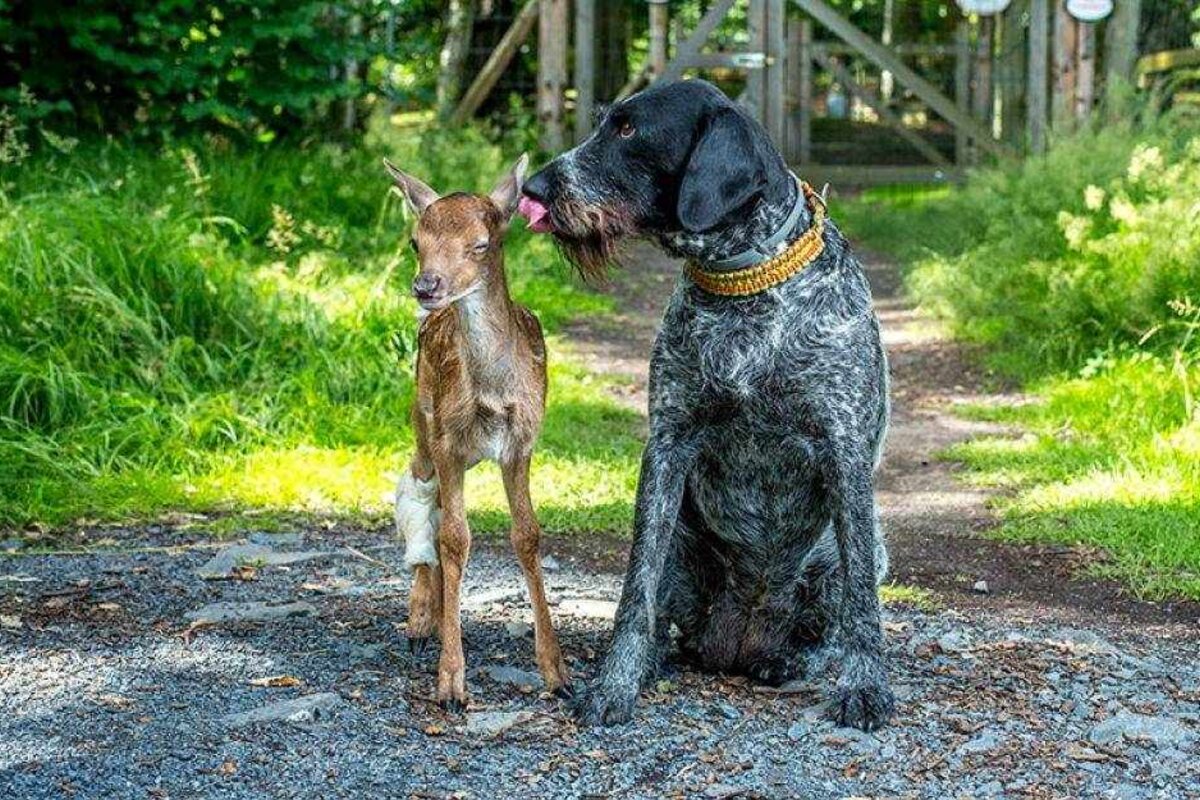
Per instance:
x=756, y=532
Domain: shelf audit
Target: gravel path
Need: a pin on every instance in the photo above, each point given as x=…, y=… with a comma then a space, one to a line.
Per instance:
x=275, y=666
x=117, y=685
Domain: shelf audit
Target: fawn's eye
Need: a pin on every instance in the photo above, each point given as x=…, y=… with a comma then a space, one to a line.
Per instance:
x=626, y=130
x=480, y=247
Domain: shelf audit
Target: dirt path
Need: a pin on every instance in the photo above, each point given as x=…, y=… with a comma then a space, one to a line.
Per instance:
x=165, y=665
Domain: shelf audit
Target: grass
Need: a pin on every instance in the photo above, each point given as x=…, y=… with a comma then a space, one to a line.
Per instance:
x=1078, y=273
x=210, y=327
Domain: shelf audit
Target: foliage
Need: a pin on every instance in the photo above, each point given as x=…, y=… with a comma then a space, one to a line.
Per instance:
x=213, y=326
x=1062, y=257
x=255, y=65
x=1079, y=272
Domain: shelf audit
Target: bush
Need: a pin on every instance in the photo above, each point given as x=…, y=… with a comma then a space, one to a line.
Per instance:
x=1076, y=253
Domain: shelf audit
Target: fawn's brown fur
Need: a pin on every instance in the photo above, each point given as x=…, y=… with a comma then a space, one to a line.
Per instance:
x=481, y=394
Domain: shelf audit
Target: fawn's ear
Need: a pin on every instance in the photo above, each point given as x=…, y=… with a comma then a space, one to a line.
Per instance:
x=418, y=195
x=507, y=193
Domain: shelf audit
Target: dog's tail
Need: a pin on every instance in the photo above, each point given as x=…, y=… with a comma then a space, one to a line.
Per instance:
x=417, y=518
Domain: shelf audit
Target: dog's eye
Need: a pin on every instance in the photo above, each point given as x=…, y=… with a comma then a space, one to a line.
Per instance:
x=626, y=130
x=480, y=247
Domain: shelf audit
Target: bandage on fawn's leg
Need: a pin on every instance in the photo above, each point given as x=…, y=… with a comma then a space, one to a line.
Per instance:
x=417, y=518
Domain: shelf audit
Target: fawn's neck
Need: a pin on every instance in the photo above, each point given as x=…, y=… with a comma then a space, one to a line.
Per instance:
x=485, y=321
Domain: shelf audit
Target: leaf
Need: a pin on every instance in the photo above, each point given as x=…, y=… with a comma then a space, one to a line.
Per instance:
x=433, y=729
x=10, y=621
x=277, y=681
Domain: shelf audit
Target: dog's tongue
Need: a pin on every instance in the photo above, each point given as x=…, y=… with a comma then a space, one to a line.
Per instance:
x=537, y=214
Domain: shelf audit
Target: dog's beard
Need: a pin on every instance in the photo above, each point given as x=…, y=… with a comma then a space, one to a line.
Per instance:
x=588, y=235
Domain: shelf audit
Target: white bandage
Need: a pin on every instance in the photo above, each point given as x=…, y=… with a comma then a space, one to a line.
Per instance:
x=417, y=518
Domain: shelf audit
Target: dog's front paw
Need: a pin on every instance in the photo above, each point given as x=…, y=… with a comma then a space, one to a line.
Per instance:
x=867, y=707
x=605, y=703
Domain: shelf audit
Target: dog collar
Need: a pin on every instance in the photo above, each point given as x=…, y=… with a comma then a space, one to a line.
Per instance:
x=775, y=269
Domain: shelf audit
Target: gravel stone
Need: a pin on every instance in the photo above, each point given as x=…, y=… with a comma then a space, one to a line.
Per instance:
x=310, y=708
x=256, y=611
x=1139, y=727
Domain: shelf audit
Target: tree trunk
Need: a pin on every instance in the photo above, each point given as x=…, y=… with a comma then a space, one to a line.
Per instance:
x=612, y=48
x=1121, y=40
x=460, y=21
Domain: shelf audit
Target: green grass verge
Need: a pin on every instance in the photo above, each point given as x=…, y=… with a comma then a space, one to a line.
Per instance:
x=209, y=327
x=1078, y=273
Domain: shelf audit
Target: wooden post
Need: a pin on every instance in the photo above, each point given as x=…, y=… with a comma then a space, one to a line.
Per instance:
x=981, y=98
x=775, y=69
x=804, y=97
x=886, y=80
x=1062, y=107
x=792, y=84
x=962, y=90
x=497, y=62
x=585, y=67
x=1085, y=56
x=1039, y=46
x=659, y=23
x=1011, y=72
x=552, y=72
x=1121, y=42
x=756, y=23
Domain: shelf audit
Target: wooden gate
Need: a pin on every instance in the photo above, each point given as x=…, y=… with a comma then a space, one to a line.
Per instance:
x=780, y=61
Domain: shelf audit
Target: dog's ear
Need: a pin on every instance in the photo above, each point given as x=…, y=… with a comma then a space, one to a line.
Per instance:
x=417, y=193
x=508, y=191
x=723, y=172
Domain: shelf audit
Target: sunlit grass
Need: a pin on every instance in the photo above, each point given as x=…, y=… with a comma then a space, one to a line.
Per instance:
x=1109, y=461
x=904, y=594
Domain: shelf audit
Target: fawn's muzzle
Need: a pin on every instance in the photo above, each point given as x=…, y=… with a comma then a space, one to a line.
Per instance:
x=427, y=287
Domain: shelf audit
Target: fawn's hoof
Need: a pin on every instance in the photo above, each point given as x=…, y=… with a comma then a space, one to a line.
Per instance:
x=453, y=704
x=419, y=645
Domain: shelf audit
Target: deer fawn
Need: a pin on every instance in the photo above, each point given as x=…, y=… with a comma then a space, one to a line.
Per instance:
x=481, y=394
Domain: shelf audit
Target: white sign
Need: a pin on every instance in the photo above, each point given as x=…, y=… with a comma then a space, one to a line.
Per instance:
x=984, y=7
x=1089, y=10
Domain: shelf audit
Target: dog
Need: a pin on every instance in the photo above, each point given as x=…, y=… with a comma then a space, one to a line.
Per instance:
x=756, y=532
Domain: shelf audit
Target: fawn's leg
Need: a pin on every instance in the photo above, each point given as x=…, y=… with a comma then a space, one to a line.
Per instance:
x=454, y=545
x=526, y=536
x=417, y=519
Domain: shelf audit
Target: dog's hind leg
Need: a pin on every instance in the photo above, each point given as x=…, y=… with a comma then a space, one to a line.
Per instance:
x=526, y=536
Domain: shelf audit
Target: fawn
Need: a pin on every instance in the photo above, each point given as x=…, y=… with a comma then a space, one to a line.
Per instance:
x=481, y=394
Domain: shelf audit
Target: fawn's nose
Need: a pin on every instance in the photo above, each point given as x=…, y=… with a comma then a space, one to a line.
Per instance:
x=426, y=286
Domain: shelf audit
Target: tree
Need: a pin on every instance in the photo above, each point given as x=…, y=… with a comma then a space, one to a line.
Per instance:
x=460, y=22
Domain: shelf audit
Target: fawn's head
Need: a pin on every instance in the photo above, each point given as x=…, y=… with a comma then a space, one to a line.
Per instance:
x=458, y=238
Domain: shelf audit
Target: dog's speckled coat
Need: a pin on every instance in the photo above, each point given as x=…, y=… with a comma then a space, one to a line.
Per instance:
x=756, y=532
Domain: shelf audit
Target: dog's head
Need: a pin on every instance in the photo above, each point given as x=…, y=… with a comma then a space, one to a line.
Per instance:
x=679, y=156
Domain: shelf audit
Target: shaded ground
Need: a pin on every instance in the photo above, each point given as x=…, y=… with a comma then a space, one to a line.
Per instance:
x=123, y=675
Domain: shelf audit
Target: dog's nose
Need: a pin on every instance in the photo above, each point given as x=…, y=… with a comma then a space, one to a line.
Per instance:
x=426, y=286
x=538, y=186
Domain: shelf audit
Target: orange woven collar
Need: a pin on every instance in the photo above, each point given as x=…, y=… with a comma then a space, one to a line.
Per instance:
x=773, y=271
